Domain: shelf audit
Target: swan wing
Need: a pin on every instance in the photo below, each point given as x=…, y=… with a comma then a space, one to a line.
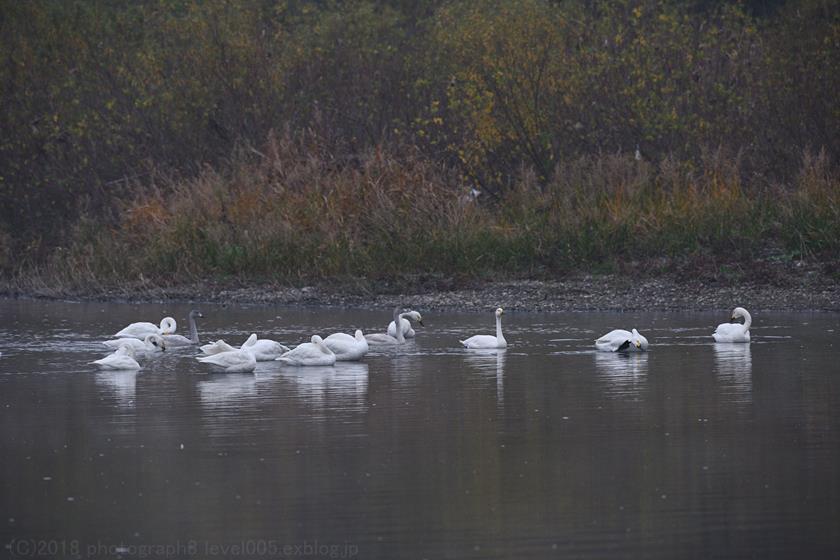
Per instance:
x=731, y=332
x=135, y=342
x=381, y=339
x=138, y=330
x=265, y=350
x=117, y=361
x=236, y=360
x=481, y=341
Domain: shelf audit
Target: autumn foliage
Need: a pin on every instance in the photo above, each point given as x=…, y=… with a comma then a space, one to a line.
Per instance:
x=304, y=138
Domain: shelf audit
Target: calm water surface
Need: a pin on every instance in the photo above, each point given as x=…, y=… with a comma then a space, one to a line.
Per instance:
x=545, y=450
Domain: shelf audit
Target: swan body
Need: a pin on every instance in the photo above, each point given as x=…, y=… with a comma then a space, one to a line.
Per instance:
x=143, y=329
x=487, y=340
x=217, y=348
x=180, y=340
x=620, y=340
x=123, y=358
x=385, y=339
x=264, y=350
x=314, y=353
x=405, y=322
x=152, y=343
x=734, y=332
x=234, y=361
x=347, y=348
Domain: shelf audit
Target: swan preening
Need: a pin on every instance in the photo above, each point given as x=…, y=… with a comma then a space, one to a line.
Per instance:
x=152, y=343
x=405, y=322
x=314, y=353
x=347, y=348
x=734, y=332
x=487, y=340
x=620, y=340
x=123, y=358
x=180, y=340
x=385, y=339
x=142, y=330
x=234, y=361
x=264, y=350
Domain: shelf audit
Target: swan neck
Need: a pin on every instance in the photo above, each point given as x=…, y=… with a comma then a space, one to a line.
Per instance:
x=747, y=320
x=499, y=327
x=398, y=326
x=193, y=331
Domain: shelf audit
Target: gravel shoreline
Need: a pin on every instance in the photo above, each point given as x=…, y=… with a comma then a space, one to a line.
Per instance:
x=580, y=293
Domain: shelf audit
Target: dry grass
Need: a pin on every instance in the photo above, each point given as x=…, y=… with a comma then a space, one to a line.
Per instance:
x=293, y=216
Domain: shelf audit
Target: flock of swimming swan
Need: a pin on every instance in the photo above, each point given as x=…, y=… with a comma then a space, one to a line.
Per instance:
x=146, y=337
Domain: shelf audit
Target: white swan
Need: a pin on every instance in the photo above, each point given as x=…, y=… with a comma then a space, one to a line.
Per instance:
x=180, y=340
x=383, y=339
x=123, y=358
x=405, y=321
x=620, y=340
x=264, y=350
x=143, y=329
x=347, y=348
x=734, y=332
x=217, y=348
x=487, y=340
x=235, y=361
x=314, y=353
x=152, y=343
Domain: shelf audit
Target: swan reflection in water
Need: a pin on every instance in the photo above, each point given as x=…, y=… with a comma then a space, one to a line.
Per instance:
x=623, y=373
x=122, y=385
x=227, y=390
x=321, y=386
x=733, y=364
x=489, y=361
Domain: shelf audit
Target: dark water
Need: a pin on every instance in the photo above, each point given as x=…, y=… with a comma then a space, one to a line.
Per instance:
x=545, y=450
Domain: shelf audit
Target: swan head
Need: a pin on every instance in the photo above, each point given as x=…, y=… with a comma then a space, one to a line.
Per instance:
x=414, y=316
x=196, y=313
x=359, y=335
x=317, y=340
x=168, y=325
x=156, y=341
x=637, y=342
x=737, y=313
x=499, y=312
x=125, y=350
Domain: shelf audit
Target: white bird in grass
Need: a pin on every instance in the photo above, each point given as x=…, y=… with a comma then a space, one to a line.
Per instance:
x=405, y=321
x=143, y=329
x=152, y=343
x=314, y=353
x=734, y=332
x=383, y=339
x=123, y=358
x=234, y=361
x=487, y=340
x=180, y=340
x=347, y=348
x=620, y=340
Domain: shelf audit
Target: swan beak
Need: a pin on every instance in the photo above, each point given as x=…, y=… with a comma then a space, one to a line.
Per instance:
x=638, y=344
x=733, y=320
x=421, y=322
